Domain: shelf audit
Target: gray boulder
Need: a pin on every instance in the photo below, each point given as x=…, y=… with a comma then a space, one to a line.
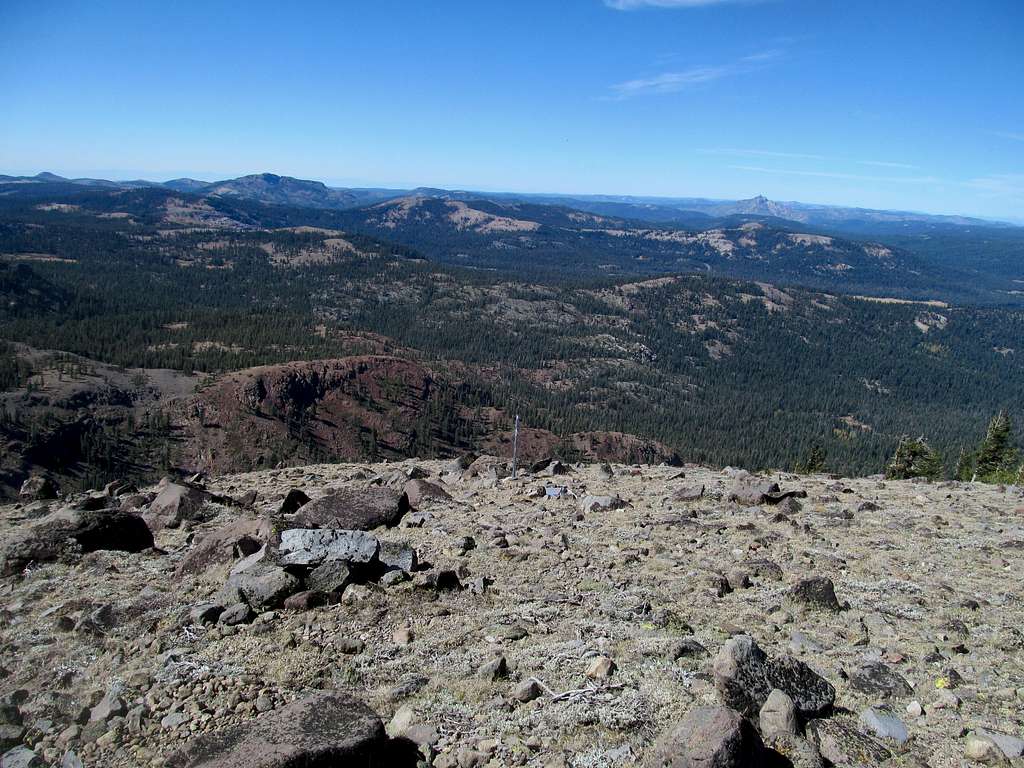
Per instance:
x=303, y=546
x=328, y=729
x=745, y=676
x=709, y=737
x=261, y=587
x=354, y=510
x=752, y=491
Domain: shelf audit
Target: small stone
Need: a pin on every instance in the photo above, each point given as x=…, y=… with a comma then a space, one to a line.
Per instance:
x=778, y=715
x=883, y=724
x=601, y=668
x=984, y=750
x=527, y=690
x=173, y=720
x=264, y=703
x=816, y=593
x=403, y=636
x=349, y=645
x=496, y=669
x=914, y=709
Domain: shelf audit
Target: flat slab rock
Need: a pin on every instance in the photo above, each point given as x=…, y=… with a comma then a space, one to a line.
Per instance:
x=322, y=731
x=303, y=546
x=353, y=509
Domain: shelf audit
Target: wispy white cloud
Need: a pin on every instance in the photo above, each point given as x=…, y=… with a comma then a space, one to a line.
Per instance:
x=842, y=176
x=632, y=5
x=999, y=185
x=760, y=153
x=887, y=164
x=672, y=82
x=1008, y=135
x=734, y=152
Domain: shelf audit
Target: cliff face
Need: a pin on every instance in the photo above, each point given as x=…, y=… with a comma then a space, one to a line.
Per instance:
x=363, y=407
x=339, y=409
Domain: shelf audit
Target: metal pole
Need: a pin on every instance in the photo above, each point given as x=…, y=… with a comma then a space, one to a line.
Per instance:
x=515, y=447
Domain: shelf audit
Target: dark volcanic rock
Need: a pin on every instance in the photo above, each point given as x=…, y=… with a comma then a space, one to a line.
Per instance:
x=354, y=509
x=842, y=745
x=293, y=502
x=749, y=490
x=817, y=592
x=68, y=530
x=323, y=731
x=239, y=538
x=174, y=505
x=330, y=577
x=709, y=737
x=877, y=679
x=38, y=488
x=745, y=676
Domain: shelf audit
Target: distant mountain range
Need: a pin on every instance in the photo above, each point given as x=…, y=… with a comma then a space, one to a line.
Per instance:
x=272, y=189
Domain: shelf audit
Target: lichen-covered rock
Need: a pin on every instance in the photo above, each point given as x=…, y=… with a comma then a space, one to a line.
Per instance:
x=845, y=746
x=709, y=737
x=745, y=676
x=328, y=729
x=302, y=546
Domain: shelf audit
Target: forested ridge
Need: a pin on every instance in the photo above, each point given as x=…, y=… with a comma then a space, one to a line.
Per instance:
x=720, y=370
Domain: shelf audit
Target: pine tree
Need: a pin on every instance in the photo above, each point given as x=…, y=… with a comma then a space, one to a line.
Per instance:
x=914, y=458
x=814, y=463
x=997, y=454
x=964, y=465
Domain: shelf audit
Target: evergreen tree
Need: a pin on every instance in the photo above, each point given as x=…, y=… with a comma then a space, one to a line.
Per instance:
x=914, y=458
x=997, y=454
x=964, y=465
x=814, y=463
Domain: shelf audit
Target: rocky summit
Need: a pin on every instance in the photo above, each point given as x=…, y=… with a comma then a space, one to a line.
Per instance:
x=448, y=613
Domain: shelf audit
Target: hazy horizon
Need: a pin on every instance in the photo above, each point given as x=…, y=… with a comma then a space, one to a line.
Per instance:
x=902, y=106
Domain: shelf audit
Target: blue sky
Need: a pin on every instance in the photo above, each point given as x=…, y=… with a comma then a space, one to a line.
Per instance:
x=912, y=104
